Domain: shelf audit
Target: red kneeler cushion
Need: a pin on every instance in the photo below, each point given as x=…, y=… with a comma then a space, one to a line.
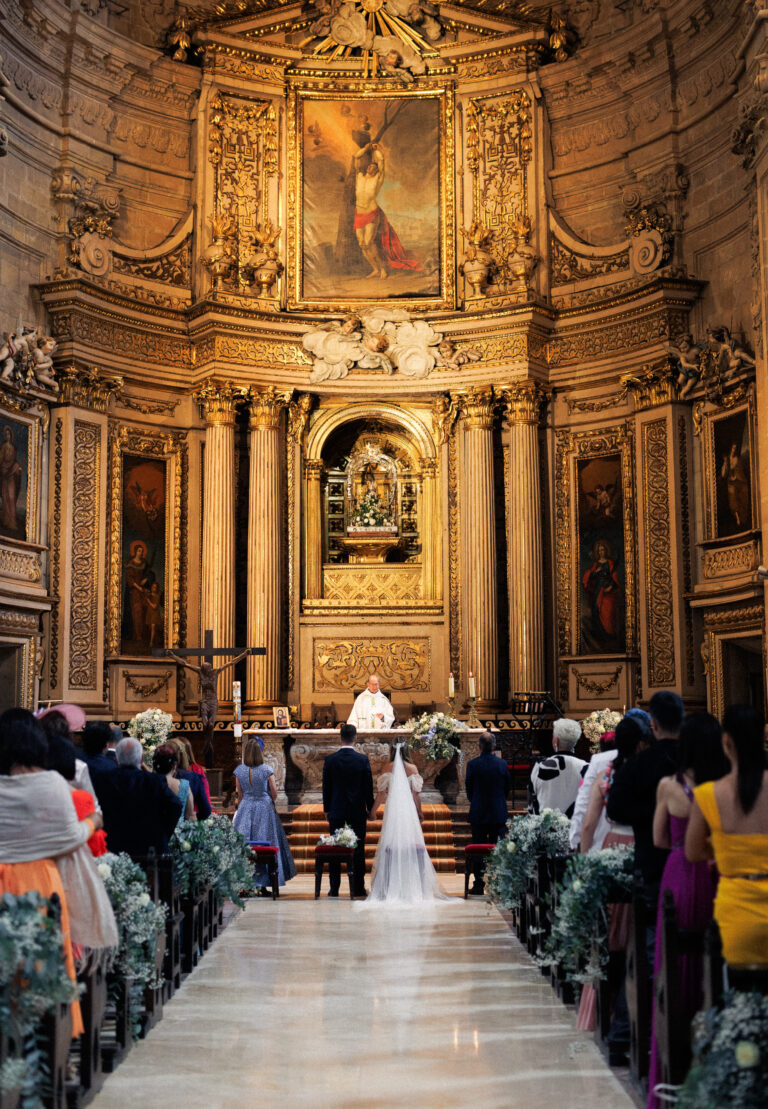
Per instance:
x=263, y=850
x=478, y=848
x=335, y=850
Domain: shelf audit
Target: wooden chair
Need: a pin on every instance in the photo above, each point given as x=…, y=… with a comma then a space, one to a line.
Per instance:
x=328, y=855
x=265, y=854
x=475, y=856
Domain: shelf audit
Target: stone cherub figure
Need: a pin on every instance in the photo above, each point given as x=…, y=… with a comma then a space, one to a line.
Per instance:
x=209, y=702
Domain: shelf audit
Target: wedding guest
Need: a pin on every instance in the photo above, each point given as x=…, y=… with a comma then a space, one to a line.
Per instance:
x=597, y=764
x=196, y=767
x=140, y=811
x=487, y=784
x=729, y=821
x=62, y=756
x=116, y=736
x=555, y=781
x=165, y=762
x=64, y=720
x=200, y=796
x=693, y=885
x=94, y=740
x=256, y=818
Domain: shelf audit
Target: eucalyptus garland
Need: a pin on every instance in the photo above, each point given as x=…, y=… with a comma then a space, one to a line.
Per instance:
x=513, y=860
x=730, y=1049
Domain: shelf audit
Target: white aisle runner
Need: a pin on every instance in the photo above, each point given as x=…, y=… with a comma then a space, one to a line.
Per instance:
x=304, y=1004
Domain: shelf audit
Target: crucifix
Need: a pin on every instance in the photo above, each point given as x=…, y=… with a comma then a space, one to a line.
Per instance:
x=207, y=676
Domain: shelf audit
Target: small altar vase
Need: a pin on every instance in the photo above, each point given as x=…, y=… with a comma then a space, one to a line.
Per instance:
x=366, y=545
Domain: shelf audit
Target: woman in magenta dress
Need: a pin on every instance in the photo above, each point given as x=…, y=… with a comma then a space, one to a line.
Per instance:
x=693, y=885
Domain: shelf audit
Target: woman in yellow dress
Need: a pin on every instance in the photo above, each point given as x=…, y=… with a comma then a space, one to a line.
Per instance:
x=729, y=822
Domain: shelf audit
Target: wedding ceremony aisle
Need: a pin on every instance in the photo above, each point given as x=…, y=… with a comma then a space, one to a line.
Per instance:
x=306, y=1003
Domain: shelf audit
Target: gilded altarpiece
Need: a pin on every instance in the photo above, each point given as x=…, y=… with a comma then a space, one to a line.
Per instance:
x=595, y=576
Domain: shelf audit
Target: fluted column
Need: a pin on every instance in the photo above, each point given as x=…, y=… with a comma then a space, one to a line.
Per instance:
x=265, y=519
x=524, y=540
x=431, y=532
x=217, y=603
x=478, y=524
x=313, y=541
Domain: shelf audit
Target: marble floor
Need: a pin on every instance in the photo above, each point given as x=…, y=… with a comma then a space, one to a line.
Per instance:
x=314, y=1004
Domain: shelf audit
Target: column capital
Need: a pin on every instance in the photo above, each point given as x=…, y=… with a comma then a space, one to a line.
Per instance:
x=313, y=468
x=86, y=388
x=428, y=467
x=217, y=401
x=265, y=406
x=523, y=401
x=477, y=406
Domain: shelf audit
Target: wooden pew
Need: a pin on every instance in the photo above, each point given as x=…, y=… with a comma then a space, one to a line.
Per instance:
x=638, y=987
x=562, y=987
x=671, y=1025
x=169, y=893
x=93, y=1004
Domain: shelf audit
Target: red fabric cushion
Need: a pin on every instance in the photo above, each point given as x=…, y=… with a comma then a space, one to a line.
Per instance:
x=261, y=850
x=335, y=850
x=477, y=847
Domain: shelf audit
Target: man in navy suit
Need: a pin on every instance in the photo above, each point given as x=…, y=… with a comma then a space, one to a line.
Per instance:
x=94, y=738
x=140, y=811
x=347, y=797
x=487, y=785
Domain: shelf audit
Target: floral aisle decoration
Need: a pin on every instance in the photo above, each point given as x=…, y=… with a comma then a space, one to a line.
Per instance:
x=151, y=727
x=590, y=883
x=140, y=922
x=730, y=1055
x=342, y=837
x=33, y=979
x=597, y=724
x=513, y=860
x=436, y=735
x=370, y=513
x=211, y=853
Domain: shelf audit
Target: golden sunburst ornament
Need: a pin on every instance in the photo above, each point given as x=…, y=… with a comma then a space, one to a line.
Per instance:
x=391, y=36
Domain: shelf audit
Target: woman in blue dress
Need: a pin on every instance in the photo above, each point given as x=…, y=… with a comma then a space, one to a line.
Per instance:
x=256, y=818
x=165, y=761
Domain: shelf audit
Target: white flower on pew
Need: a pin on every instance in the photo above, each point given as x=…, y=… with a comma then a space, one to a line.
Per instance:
x=747, y=1053
x=186, y=845
x=144, y=900
x=577, y=885
x=105, y=870
x=511, y=846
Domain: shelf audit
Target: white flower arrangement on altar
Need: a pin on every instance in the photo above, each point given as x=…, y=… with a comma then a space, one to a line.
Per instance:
x=597, y=724
x=342, y=837
x=151, y=727
x=370, y=513
x=436, y=734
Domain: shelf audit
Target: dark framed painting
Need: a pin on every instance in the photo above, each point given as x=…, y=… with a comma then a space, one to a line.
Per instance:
x=143, y=554
x=601, y=569
x=372, y=218
x=14, y=478
x=731, y=474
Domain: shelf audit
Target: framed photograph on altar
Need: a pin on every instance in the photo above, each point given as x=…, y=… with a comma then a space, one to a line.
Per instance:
x=145, y=493
x=371, y=199
x=281, y=716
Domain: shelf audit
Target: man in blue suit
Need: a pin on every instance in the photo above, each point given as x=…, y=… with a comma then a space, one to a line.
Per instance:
x=347, y=797
x=487, y=785
x=140, y=811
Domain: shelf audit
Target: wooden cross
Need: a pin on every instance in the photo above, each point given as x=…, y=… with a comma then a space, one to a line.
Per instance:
x=207, y=652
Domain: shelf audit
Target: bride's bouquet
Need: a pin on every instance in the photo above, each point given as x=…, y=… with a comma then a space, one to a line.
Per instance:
x=436, y=735
x=342, y=837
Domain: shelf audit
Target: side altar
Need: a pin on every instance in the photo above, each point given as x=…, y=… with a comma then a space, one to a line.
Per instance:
x=308, y=748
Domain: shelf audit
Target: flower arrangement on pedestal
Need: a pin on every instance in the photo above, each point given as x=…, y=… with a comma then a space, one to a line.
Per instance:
x=597, y=724
x=436, y=735
x=151, y=727
x=370, y=513
x=730, y=1055
x=513, y=859
x=342, y=837
x=33, y=979
x=590, y=883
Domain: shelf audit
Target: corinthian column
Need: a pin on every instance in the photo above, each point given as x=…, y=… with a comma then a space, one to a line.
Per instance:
x=313, y=536
x=431, y=533
x=524, y=543
x=217, y=602
x=478, y=524
x=264, y=546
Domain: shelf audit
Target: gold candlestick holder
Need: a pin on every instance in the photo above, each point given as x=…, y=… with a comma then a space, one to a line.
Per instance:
x=473, y=719
x=452, y=705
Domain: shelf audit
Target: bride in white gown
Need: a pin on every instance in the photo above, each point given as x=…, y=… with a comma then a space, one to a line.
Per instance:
x=403, y=874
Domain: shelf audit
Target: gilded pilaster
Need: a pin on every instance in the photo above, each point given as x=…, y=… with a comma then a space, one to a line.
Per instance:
x=431, y=532
x=524, y=539
x=265, y=576
x=217, y=604
x=476, y=406
x=313, y=546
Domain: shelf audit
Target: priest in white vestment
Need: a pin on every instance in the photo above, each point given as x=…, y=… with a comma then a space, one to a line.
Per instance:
x=372, y=710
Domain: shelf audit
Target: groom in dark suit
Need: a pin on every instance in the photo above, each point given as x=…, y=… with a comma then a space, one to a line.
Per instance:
x=487, y=784
x=347, y=797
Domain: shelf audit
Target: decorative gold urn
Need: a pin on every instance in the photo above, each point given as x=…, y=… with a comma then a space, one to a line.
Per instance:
x=370, y=545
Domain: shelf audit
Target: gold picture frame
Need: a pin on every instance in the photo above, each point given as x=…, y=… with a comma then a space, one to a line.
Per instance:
x=363, y=99
x=171, y=449
x=25, y=431
x=737, y=421
x=281, y=715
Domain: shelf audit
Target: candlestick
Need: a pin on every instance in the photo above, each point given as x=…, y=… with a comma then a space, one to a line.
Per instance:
x=471, y=684
x=452, y=705
x=473, y=719
x=451, y=686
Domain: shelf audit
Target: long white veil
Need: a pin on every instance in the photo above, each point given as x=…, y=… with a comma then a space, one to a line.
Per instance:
x=404, y=874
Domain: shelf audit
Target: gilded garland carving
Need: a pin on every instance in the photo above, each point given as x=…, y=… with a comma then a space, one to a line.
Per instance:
x=740, y=559
x=147, y=689
x=16, y=620
x=56, y=553
x=83, y=609
x=596, y=688
x=148, y=407
x=173, y=268
x=658, y=584
x=745, y=617
x=24, y=565
x=346, y=664
x=454, y=591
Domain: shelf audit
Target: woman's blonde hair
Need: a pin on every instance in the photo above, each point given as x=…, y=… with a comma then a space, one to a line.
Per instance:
x=182, y=751
x=252, y=754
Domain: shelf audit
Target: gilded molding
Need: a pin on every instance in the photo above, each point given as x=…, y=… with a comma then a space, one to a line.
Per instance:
x=84, y=596
x=647, y=328
x=17, y=620
x=685, y=537
x=23, y=565
x=372, y=586
x=345, y=665
x=265, y=407
x=745, y=617
x=115, y=334
x=658, y=573
x=87, y=388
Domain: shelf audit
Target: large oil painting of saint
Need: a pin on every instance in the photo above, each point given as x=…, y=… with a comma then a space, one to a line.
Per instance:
x=602, y=621
x=370, y=173
x=143, y=554
x=733, y=474
x=14, y=478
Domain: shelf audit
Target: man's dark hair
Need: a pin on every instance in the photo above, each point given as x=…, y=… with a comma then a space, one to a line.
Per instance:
x=95, y=736
x=348, y=732
x=62, y=755
x=22, y=741
x=487, y=743
x=55, y=724
x=668, y=710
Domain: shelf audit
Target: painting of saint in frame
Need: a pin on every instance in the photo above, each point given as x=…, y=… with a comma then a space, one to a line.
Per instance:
x=733, y=474
x=14, y=478
x=601, y=556
x=143, y=554
x=371, y=203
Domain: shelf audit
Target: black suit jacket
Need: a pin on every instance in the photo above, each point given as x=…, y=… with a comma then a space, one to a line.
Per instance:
x=98, y=763
x=199, y=796
x=140, y=811
x=632, y=800
x=347, y=786
x=487, y=785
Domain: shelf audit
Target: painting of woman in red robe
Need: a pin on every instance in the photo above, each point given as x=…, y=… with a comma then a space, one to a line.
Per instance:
x=603, y=588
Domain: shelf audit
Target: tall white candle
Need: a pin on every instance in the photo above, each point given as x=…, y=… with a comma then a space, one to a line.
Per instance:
x=471, y=684
x=451, y=685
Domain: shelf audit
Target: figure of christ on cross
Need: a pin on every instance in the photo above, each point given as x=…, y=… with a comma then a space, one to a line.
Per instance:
x=208, y=676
